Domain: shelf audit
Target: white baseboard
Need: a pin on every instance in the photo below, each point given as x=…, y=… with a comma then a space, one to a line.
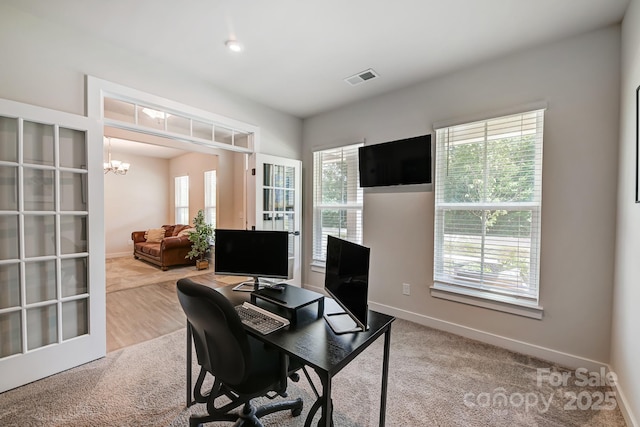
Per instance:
x=554, y=356
x=625, y=408
x=563, y=359
x=119, y=254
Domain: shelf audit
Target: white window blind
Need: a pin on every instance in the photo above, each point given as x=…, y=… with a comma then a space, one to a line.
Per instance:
x=210, y=197
x=182, y=199
x=488, y=194
x=337, y=198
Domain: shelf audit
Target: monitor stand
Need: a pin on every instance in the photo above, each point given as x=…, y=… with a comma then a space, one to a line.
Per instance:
x=341, y=323
x=255, y=285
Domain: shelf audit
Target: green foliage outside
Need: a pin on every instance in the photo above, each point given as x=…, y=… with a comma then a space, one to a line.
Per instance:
x=200, y=238
x=508, y=177
x=502, y=171
x=334, y=190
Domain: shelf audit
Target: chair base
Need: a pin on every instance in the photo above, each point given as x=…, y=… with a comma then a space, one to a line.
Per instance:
x=250, y=415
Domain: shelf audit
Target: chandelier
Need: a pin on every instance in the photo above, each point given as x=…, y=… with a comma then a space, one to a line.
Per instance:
x=115, y=166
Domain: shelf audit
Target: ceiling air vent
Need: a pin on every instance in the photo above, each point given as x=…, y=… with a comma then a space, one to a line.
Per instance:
x=361, y=77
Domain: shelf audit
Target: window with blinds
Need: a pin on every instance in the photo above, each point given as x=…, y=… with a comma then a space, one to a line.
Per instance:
x=182, y=199
x=337, y=198
x=488, y=194
x=210, y=198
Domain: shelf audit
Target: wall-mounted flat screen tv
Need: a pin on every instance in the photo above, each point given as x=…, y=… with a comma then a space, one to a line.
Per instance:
x=403, y=162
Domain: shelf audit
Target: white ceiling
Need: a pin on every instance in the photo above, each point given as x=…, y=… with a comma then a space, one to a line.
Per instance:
x=132, y=147
x=297, y=53
x=142, y=144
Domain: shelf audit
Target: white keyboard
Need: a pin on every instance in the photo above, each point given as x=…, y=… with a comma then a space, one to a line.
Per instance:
x=259, y=319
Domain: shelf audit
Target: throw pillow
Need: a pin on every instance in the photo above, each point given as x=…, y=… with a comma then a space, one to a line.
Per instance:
x=178, y=228
x=154, y=235
x=186, y=232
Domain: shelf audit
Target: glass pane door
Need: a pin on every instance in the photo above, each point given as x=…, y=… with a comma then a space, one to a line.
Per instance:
x=278, y=203
x=44, y=250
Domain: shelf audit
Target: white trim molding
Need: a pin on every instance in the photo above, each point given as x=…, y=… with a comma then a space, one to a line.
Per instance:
x=623, y=404
x=563, y=359
x=467, y=296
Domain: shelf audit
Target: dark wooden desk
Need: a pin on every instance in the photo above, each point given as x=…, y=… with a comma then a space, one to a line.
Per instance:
x=313, y=342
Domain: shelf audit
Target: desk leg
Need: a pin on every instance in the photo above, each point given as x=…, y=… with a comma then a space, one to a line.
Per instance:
x=385, y=375
x=189, y=356
x=324, y=402
x=327, y=404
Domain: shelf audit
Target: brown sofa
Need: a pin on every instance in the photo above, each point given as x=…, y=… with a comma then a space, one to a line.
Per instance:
x=171, y=250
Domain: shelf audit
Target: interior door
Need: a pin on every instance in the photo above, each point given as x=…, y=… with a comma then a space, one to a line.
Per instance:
x=52, y=298
x=277, y=182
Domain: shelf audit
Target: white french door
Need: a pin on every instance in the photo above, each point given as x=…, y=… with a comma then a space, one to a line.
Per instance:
x=52, y=298
x=277, y=183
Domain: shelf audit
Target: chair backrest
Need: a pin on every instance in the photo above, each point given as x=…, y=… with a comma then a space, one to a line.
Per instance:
x=222, y=346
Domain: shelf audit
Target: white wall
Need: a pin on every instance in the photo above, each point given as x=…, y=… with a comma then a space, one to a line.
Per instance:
x=136, y=201
x=625, y=345
x=45, y=65
x=579, y=79
x=143, y=198
x=231, y=190
x=230, y=185
x=193, y=165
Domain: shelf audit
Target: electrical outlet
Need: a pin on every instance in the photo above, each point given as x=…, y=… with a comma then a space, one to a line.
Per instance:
x=406, y=289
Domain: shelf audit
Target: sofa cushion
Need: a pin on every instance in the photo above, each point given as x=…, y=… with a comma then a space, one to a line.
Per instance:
x=154, y=235
x=186, y=232
x=168, y=230
x=152, y=249
x=179, y=228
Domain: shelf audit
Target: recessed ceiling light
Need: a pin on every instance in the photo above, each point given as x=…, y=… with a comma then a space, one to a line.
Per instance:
x=234, y=45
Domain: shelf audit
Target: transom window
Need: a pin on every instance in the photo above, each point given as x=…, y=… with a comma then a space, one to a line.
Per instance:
x=488, y=195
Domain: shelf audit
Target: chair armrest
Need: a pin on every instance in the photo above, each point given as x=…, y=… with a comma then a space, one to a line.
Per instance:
x=138, y=236
x=175, y=242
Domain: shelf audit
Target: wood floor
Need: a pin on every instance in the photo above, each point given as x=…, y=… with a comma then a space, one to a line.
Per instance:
x=140, y=314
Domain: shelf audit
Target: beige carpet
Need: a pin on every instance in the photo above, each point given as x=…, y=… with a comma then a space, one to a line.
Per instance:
x=128, y=272
x=435, y=379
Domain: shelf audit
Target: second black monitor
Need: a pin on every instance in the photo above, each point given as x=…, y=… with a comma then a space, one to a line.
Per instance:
x=347, y=281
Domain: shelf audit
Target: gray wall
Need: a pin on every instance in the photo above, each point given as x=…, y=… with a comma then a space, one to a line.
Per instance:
x=579, y=79
x=625, y=345
x=45, y=65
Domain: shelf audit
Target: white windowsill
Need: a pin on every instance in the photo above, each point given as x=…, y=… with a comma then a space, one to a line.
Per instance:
x=480, y=299
x=318, y=267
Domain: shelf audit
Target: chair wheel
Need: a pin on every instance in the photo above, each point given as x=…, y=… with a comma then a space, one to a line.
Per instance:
x=296, y=412
x=294, y=377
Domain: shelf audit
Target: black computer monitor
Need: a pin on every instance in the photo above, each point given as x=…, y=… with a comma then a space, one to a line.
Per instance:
x=254, y=253
x=347, y=282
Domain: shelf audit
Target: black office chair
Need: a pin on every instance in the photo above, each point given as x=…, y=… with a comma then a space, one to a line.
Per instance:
x=242, y=367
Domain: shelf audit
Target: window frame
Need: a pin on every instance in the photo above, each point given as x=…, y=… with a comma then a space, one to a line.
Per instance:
x=210, y=197
x=444, y=285
x=179, y=208
x=354, y=206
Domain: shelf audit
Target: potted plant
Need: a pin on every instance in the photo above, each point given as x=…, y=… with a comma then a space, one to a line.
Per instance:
x=201, y=239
